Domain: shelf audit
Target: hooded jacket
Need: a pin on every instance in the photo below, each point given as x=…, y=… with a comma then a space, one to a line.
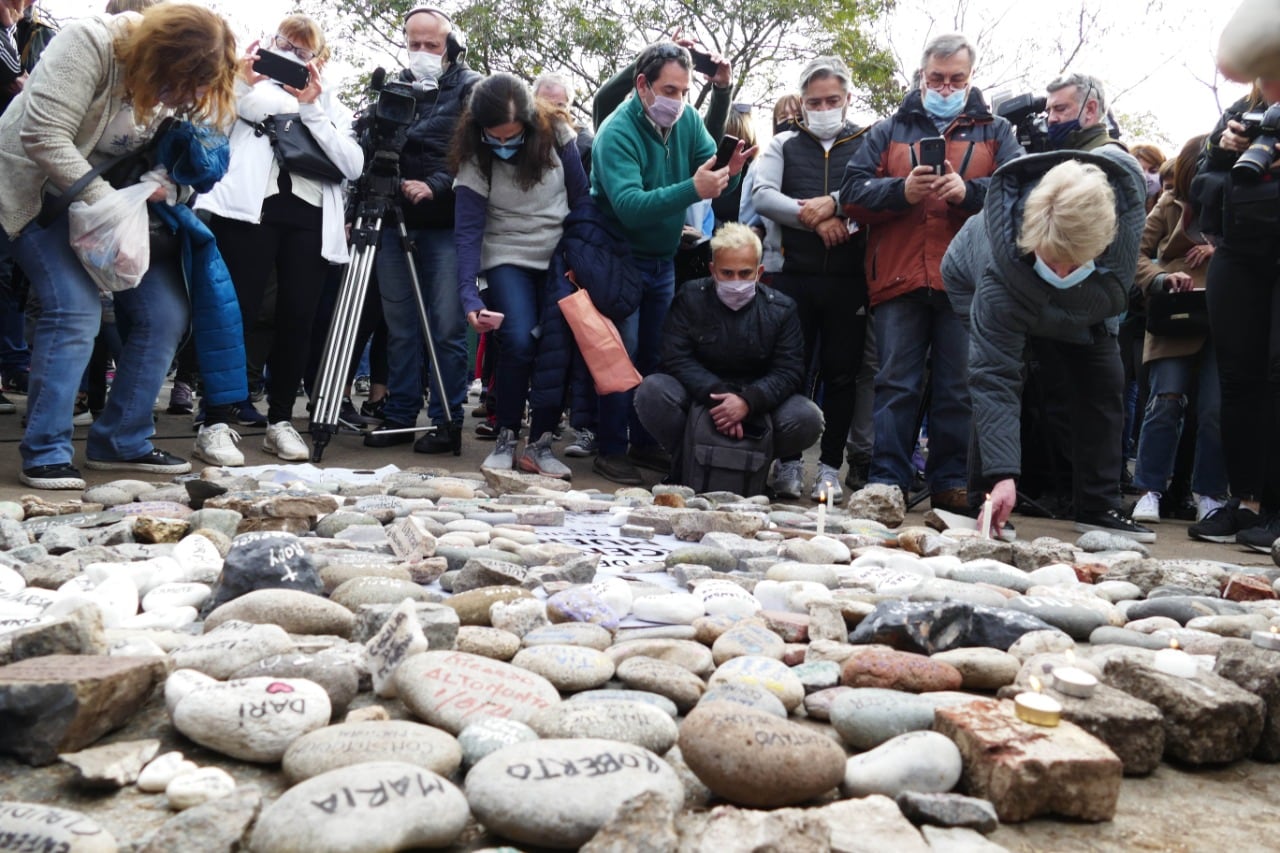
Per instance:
x=906, y=242
x=425, y=156
x=995, y=289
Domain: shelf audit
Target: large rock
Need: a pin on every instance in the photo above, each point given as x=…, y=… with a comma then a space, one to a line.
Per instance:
x=34, y=826
x=1207, y=719
x=928, y=627
x=642, y=824
x=230, y=647
x=916, y=761
x=1258, y=671
x=559, y=793
x=382, y=805
x=346, y=744
x=755, y=759
x=213, y=827
x=867, y=717
x=62, y=703
x=869, y=825
x=692, y=525
x=255, y=719
x=727, y=828
x=450, y=689
x=265, y=561
x=878, y=502
x=1027, y=770
x=294, y=611
x=631, y=722
x=896, y=670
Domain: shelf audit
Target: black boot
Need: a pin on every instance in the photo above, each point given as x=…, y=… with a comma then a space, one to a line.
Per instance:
x=445, y=438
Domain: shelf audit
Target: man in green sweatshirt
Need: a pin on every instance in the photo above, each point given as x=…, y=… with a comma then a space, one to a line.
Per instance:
x=652, y=160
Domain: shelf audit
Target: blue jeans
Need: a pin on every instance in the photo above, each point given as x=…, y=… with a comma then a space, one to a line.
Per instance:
x=518, y=292
x=437, y=261
x=1171, y=380
x=153, y=319
x=911, y=329
x=642, y=336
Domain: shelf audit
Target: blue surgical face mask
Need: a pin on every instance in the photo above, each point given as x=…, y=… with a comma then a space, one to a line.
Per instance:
x=939, y=105
x=504, y=149
x=1073, y=278
x=1059, y=132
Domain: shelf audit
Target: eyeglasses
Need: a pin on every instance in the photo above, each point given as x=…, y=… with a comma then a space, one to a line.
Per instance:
x=282, y=43
x=939, y=84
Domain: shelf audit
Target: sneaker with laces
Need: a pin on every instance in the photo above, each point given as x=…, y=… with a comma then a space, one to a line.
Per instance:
x=1147, y=509
x=374, y=411
x=61, y=476
x=156, y=462
x=247, y=414
x=216, y=444
x=1224, y=523
x=349, y=416
x=488, y=428
x=538, y=459
x=1113, y=522
x=282, y=440
x=503, y=455
x=181, y=399
x=1262, y=535
x=788, y=479
x=583, y=446
x=827, y=484
x=1206, y=505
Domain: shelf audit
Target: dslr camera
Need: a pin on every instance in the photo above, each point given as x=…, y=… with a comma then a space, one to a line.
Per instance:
x=1263, y=128
x=1026, y=113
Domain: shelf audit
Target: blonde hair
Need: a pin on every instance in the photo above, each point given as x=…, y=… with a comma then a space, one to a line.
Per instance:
x=116, y=7
x=178, y=49
x=303, y=28
x=1070, y=217
x=735, y=235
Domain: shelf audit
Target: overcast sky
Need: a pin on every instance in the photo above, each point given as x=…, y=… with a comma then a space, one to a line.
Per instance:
x=1147, y=62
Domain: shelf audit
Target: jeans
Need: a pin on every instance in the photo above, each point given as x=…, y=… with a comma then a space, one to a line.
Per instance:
x=914, y=327
x=662, y=403
x=642, y=336
x=518, y=292
x=1171, y=380
x=1243, y=292
x=436, y=260
x=153, y=319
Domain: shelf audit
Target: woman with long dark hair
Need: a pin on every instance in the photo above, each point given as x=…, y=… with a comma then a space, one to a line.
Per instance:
x=519, y=173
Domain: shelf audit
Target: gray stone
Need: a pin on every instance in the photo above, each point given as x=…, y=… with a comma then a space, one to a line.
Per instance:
x=439, y=622
x=957, y=839
x=346, y=744
x=703, y=555
x=570, y=634
x=879, y=502
x=230, y=647
x=60, y=539
x=334, y=523
x=214, y=827
x=772, y=675
x=667, y=679
x=1181, y=608
x=870, y=825
x=451, y=689
x=642, y=824
x=731, y=829
x=363, y=591
x=265, y=561
x=480, y=572
x=866, y=717
x=1108, y=635
x=569, y=668
x=295, y=611
x=379, y=805
x=113, y=766
x=1074, y=619
x=631, y=722
x=1258, y=671
x=489, y=734
x=948, y=810
x=606, y=694
x=751, y=696
x=692, y=525
x=397, y=640
x=1095, y=541
x=338, y=677
x=922, y=761
x=40, y=827
x=1203, y=577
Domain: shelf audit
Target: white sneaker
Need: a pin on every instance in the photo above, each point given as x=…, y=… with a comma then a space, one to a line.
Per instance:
x=538, y=459
x=283, y=440
x=827, y=484
x=788, y=479
x=1205, y=506
x=503, y=455
x=216, y=444
x=1147, y=509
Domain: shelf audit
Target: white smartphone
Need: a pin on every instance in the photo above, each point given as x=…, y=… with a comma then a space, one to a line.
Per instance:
x=496, y=316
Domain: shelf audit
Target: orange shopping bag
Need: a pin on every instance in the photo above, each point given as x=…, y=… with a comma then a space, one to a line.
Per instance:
x=600, y=343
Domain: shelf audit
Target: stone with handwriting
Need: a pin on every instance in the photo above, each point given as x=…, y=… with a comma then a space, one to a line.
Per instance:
x=450, y=689
x=399, y=639
x=253, y=719
x=34, y=826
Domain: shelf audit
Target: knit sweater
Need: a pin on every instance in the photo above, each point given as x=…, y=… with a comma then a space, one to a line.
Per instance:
x=643, y=182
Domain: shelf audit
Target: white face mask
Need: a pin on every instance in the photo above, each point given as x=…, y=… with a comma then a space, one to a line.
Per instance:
x=425, y=66
x=824, y=124
x=735, y=293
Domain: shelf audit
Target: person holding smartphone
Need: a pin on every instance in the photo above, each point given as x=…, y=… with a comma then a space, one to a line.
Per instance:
x=519, y=173
x=268, y=220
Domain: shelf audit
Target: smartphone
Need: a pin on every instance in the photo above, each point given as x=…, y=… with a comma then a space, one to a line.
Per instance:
x=497, y=316
x=933, y=152
x=703, y=63
x=283, y=70
x=724, y=153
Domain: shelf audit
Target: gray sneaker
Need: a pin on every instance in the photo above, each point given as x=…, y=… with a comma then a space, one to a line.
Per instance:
x=503, y=456
x=827, y=484
x=788, y=479
x=584, y=445
x=538, y=459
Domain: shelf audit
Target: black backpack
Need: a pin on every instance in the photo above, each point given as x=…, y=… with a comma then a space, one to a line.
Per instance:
x=713, y=462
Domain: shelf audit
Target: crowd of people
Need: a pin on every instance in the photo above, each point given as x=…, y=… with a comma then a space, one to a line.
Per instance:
x=947, y=304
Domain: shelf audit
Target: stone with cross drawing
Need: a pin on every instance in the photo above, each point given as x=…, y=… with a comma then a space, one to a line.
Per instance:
x=265, y=561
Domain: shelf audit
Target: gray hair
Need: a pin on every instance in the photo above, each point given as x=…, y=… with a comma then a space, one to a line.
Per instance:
x=1086, y=86
x=553, y=78
x=948, y=45
x=823, y=67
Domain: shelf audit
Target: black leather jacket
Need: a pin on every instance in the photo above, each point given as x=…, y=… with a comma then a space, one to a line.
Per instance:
x=426, y=153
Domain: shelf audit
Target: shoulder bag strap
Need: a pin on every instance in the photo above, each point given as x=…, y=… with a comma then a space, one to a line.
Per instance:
x=59, y=204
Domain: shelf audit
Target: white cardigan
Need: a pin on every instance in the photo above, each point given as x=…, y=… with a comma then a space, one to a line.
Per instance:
x=240, y=193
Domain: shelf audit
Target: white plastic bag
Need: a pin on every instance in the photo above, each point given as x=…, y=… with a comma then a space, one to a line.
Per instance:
x=112, y=238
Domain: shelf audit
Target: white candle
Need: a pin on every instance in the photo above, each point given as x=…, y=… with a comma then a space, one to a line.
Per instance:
x=822, y=515
x=1037, y=709
x=1267, y=639
x=1175, y=662
x=986, y=517
x=1074, y=681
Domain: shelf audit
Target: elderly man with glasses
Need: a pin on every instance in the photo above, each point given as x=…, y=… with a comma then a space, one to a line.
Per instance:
x=913, y=211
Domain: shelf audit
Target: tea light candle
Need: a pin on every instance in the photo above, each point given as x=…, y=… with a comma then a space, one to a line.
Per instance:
x=1267, y=639
x=1173, y=661
x=1074, y=681
x=1038, y=709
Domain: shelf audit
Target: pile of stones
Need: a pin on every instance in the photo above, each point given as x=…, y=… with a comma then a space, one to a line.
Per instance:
x=409, y=663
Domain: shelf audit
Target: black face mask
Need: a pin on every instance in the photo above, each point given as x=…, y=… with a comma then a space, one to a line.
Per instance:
x=784, y=126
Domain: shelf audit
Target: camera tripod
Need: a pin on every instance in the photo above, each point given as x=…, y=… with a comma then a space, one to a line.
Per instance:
x=376, y=200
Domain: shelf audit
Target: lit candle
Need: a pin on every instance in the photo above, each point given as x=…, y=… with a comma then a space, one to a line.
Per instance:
x=1036, y=708
x=1173, y=661
x=1074, y=681
x=1267, y=639
x=986, y=517
x=822, y=513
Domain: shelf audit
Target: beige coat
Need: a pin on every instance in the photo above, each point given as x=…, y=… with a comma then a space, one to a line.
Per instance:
x=1164, y=238
x=50, y=129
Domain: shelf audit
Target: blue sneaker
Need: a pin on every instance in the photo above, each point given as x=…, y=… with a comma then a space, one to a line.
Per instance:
x=248, y=415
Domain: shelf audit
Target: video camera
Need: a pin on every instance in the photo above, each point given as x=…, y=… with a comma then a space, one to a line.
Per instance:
x=382, y=128
x=1263, y=128
x=1026, y=113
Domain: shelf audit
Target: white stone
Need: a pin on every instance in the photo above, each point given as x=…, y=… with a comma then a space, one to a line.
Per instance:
x=836, y=551
x=614, y=592
x=676, y=608
x=137, y=646
x=198, y=786
x=33, y=826
x=399, y=638
x=11, y=581
x=176, y=595
x=116, y=597
x=198, y=556
x=170, y=619
x=162, y=770
x=1054, y=574
x=231, y=646
x=411, y=540
x=726, y=598
x=569, y=668
x=253, y=719
x=139, y=572
x=924, y=761
x=181, y=682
